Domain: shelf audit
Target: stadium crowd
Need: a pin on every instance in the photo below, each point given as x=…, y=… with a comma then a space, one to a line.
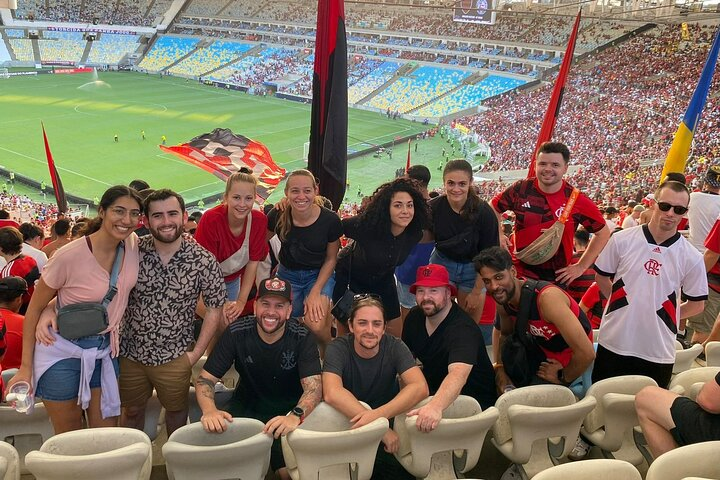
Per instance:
x=408, y=275
x=123, y=12
x=226, y=258
x=613, y=112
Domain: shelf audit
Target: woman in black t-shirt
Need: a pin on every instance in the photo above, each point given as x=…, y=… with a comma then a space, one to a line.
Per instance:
x=309, y=235
x=463, y=224
x=383, y=235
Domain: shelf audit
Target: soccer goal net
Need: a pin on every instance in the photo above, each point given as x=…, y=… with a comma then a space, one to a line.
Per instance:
x=306, y=151
x=4, y=73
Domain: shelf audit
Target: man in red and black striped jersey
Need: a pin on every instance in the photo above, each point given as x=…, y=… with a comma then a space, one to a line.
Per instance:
x=538, y=202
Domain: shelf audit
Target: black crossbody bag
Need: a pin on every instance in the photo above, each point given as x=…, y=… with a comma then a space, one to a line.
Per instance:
x=341, y=309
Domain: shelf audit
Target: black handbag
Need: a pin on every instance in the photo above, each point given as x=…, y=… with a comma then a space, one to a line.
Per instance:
x=89, y=318
x=521, y=356
x=341, y=309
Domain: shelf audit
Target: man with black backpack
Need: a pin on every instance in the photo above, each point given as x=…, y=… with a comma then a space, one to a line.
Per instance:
x=544, y=336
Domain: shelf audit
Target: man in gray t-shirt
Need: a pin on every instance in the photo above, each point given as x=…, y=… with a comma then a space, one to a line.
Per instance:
x=364, y=366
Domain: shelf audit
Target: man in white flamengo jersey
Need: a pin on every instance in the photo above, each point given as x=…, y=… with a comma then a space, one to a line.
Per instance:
x=659, y=279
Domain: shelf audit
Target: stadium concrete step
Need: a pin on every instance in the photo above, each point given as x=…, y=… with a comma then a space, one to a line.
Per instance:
x=36, y=51
x=86, y=52
x=476, y=77
x=260, y=7
x=9, y=48
x=144, y=49
x=225, y=7
x=180, y=59
x=149, y=8
x=435, y=99
x=404, y=70
x=250, y=53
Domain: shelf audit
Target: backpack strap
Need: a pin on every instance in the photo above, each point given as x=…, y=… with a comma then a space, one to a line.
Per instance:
x=527, y=296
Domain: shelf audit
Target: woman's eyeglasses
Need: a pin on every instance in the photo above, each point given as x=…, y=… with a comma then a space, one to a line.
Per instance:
x=678, y=209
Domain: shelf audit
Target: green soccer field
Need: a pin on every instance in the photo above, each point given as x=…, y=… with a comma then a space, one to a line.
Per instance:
x=81, y=119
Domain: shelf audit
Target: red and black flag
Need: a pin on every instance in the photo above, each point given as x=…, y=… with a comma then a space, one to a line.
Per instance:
x=55, y=176
x=551, y=114
x=327, y=156
x=222, y=153
x=407, y=162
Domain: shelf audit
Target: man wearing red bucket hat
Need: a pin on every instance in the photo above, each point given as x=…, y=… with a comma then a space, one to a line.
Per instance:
x=448, y=344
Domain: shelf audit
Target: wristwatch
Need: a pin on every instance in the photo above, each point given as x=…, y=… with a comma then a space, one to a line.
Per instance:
x=298, y=412
x=561, y=377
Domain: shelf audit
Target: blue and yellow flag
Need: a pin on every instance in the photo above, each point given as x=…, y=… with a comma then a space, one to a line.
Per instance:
x=680, y=148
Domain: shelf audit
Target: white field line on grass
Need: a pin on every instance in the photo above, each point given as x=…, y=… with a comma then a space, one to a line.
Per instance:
x=47, y=86
x=84, y=113
x=162, y=108
x=199, y=186
x=38, y=119
x=59, y=168
x=219, y=91
x=173, y=158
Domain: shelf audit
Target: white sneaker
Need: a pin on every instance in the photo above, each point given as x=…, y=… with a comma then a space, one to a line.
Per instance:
x=580, y=450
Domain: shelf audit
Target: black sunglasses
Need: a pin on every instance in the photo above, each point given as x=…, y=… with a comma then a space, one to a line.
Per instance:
x=678, y=209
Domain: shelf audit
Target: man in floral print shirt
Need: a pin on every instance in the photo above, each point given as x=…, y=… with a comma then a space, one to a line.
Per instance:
x=156, y=347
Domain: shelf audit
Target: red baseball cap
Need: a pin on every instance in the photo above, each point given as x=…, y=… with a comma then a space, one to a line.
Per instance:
x=433, y=275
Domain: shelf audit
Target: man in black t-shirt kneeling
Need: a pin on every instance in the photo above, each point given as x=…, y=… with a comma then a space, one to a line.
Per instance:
x=448, y=344
x=364, y=366
x=279, y=367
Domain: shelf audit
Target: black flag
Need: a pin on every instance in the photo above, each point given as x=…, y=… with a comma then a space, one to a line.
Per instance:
x=327, y=155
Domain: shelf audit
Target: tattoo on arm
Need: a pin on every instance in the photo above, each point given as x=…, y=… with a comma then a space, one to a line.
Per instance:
x=205, y=386
x=312, y=393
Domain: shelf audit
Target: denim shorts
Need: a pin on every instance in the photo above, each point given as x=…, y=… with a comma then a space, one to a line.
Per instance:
x=462, y=275
x=61, y=382
x=233, y=288
x=302, y=282
x=406, y=299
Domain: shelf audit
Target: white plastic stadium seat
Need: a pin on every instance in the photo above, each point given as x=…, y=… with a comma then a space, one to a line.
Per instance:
x=530, y=416
x=242, y=451
x=25, y=432
x=598, y=469
x=684, y=358
x=610, y=424
x=688, y=378
x=9, y=462
x=712, y=354
x=153, y=414
x=222, y=398
x=699, y=460
x=112, y=453
x=325, y=447
x=8, y=374
x=461, y=433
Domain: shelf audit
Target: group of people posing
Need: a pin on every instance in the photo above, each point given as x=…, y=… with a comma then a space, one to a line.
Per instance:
x=274, y=322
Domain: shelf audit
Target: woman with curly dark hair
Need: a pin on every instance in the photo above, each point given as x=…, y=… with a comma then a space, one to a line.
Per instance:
x=383, y=235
